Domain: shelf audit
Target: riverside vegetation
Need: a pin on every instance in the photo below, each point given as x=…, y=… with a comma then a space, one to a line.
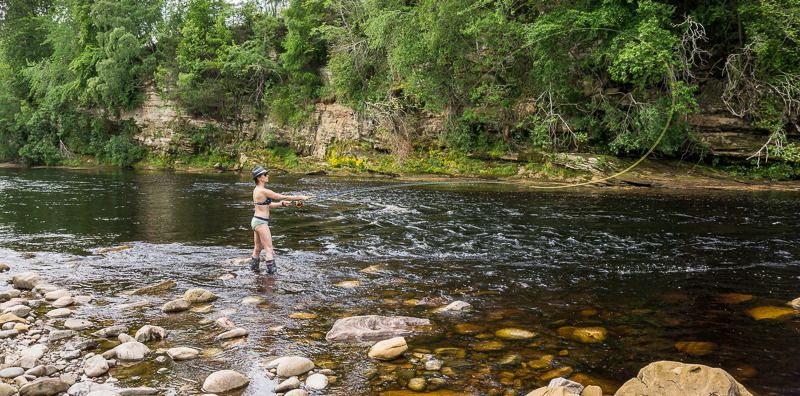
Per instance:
x=500, y=77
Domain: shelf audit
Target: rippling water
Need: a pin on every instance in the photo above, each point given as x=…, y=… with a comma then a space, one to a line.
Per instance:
x=649, y=266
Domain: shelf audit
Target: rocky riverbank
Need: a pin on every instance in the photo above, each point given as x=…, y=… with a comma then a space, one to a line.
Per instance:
x=47, y=348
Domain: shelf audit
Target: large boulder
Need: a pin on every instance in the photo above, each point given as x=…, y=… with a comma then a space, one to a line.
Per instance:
x=224, y=381
x=388, y=349
x=666, y=378
x=26, y=280
x=374, y=327
x=198, y=295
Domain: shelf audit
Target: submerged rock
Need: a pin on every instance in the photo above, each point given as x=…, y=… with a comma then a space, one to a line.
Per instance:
x=514, y=334
x=351, y=284
x=734, y=298
x=696, y=348
x=156, y=288
x=224, y=381
x=388, y=349
x=182, y=353
x=303, y=315
x=455, y=306
x=666, y=378
x=374, y=327
x=586, y=335
x=771, y=312
x=469, y=328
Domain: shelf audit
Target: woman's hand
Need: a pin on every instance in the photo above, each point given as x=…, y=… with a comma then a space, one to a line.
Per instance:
x=286, y=203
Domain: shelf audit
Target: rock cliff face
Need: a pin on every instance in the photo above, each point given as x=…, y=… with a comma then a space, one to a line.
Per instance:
x=161, y=124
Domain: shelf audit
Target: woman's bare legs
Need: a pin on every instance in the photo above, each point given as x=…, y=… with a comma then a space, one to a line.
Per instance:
x=257, y=248
x=265, y=240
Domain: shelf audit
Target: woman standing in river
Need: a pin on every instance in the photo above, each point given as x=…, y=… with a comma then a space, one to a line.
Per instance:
x=264, y=199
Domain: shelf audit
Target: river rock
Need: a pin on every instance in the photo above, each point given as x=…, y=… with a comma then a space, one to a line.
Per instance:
x=199, y=295
x=149, y=333
x=291, y=365
x=10, y=317
x=7, y=390
x=155, y=289
x=4, y=267
x=417, y=384
x=666, y=378
x=455, y=306
x=586, y=335
x=58, y=335
x=571, y=386
x=12, y=372
x=487, y=346
x=44, y=288
x=26, y=280
x=63, y=302
x=388, y=349
x=131, y=351
x=592, y=390
x=77, y=324
x=288, y=384
x=103, y=393
x=225, y=323
x=182, y=353
x=138, y=391
x=224, y=381
x=111, y=331
x=235, y=333
x=696, y=348
x=253, y=300
x=771, y=312
x=35, y=351
x=18, y=310
x=514, y=334
x=177, y=305
x=795, y=303
x=303, y=315
x=548, y=391
x=296, y=392
x=56, y=294
x=59, y=313
x=349, y=284
x=8, y=333
x=95, y=366
x=84, y=299
x=468, y=328
x=44, y=387
x=6, y=295
x=317, y=382
x=374, y=327
x=123, y=338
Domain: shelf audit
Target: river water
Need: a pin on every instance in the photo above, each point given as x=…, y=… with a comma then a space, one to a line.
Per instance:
x=652, y=267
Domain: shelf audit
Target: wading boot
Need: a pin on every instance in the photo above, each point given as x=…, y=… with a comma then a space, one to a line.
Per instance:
x=271, y=267
x=254, y=264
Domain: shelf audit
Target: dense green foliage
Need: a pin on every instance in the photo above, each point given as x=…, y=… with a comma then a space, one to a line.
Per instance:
x=599, y=75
